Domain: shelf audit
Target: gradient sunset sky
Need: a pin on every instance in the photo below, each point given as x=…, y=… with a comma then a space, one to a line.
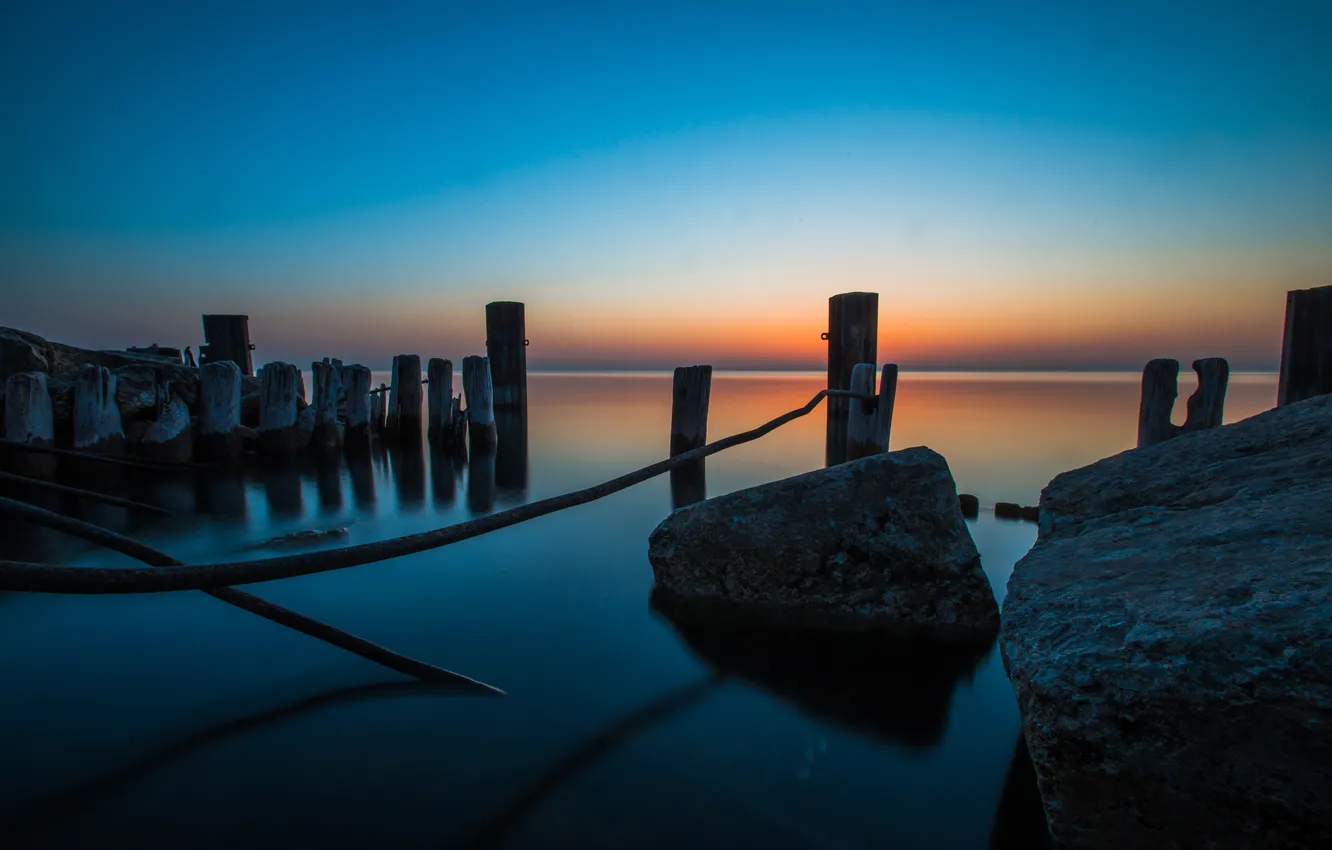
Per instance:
x=1027, y=185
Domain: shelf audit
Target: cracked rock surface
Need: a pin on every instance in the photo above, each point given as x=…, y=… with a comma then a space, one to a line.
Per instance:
x=874, y=544
x=1169, y=639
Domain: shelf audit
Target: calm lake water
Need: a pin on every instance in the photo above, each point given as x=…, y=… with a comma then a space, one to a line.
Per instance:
x=174, y=720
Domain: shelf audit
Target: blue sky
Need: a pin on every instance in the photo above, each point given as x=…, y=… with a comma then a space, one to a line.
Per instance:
x=1075, y=184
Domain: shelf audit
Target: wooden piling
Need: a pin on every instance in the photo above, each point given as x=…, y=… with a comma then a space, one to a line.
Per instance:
x=327, y=433
x=227, y=337
x=1160, y=386
x=883, y=421
x=506, y=348
x=853, y=337
x=1206, y=407
x=403, y=420
x=439, y=394
x=279, y=386
x=861, y=430
x=29, y=419
x=378, y=409
x=96, y=414
x=219, y=412
x=356, y=387
x=690, y=395
x=169, y=437
x=480, y=401
x=1306, y=350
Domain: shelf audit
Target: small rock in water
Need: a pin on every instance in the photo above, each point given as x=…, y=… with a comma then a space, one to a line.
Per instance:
x=970, y=505
x=874, y=544
x=306, y=537
x=1012, y=510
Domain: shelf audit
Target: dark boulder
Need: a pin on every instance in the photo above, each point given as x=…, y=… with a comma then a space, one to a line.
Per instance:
x=874, y=544
x=1169, y=639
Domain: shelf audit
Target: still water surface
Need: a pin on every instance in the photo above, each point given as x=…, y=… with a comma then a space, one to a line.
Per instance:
x=174, y=720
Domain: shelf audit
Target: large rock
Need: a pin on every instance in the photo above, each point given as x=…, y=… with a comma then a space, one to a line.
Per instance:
x=21, y=352
x=1169, y=638
x=877, y=543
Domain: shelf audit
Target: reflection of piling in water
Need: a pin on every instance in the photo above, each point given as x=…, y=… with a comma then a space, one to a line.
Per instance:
x=220, y=494
x=1019, y=822
x=511, y=451
x=408, y=461
x=328, y=483
x=362, y=474
x=892, y=688
x=443, y=480
x=481, y=480
x=282, y=487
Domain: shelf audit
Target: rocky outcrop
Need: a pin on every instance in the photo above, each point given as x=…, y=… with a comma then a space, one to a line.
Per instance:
x=1169, y=639
x=874, y=544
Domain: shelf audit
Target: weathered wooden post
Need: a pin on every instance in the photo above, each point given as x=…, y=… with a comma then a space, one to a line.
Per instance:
x=356, y=386
x=279, y=385
x=506, y=347
x=170, y=436
x=96, y=413
x=1160, y=386
x=227, y=337
x=378, y=409
x=480, y=401
x=219, y=411
x=29, y=418
x=853, y=337
x=439, y=396
x=327, y=434
x=690, y=394
x=870, y=422
x=404, y=405
x=1206, y=407
x=1306, y=350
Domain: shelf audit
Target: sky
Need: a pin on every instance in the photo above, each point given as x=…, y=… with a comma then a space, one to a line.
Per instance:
x=1026, y=185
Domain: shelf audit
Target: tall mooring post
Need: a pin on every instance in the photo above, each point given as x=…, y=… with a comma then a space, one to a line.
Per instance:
x=690, y=394
x=1306, y=350
x=853, y=337
x=227, y=337
x=506, y=346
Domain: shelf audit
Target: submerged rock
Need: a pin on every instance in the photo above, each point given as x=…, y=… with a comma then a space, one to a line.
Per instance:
x=1169, y=638
x=305, y=537
x=877, y=543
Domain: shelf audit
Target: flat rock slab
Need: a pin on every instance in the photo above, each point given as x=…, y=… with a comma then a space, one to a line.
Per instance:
x=873, y=544
x=1169, y=638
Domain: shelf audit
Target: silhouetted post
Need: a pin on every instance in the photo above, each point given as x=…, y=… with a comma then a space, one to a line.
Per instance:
x=689, y=408
x=883, y=422
x=506, y=348
x=853, y=337
x=326, y=436
x=227, y=337
x=356, y=388
x=279, y=385
x=862, y=422
x=1206, y=407
x=404, y=405
x=1306, y=350
x=480, y=401
x=29, y=418
x=378, y=409
x=1160, y=386
x=691, y=392
x=219, y=411
x=440, y=397
x=96, y=413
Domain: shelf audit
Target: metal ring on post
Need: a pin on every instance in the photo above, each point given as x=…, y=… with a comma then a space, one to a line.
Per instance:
x=823, y=335
x=527, y=342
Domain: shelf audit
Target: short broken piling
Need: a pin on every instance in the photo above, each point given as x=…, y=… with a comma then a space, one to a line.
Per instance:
x=219, y=412
x=279, y=387
x=1160, y=386
x=96, y=414
x=853, y=337
x=480, y=401
x=326, y=436
x=29, y=420
x=378, y=409
x=869, y=422
x=170, y=437
x=403, y=420
x=356, y=387
x=1206, y=407
x=439, y=374
x=1306, y=348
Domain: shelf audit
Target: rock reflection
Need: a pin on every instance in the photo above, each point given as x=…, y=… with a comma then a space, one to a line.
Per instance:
x=1019, y=822
x=891, y=688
